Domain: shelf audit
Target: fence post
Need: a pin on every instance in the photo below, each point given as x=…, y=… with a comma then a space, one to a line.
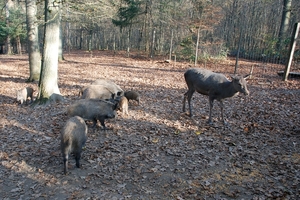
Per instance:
x=291, y=51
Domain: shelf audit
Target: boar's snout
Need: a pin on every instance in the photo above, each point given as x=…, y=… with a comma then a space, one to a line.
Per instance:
x=111, y=115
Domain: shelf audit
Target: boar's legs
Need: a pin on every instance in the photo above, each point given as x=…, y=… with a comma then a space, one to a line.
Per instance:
x=65, y=159
x=94, y=122
x=102, y=123
x=77, y=158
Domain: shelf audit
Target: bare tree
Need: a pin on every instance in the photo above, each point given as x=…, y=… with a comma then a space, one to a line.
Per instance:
x=8, y=7
x=285, y=20
x=33, y=41
x=48, y=85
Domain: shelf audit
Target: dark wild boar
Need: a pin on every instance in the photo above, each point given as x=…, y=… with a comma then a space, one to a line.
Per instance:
x=73, y=138
x=132, y=95
x=93, y=109
x=214, y=85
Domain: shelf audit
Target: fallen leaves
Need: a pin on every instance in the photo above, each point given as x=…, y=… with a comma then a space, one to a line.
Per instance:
x=157, y=151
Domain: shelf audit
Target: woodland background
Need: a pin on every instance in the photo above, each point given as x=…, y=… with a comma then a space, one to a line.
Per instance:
x=259, y=30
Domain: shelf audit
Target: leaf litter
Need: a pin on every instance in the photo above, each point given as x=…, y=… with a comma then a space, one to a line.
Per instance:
x=157, y=152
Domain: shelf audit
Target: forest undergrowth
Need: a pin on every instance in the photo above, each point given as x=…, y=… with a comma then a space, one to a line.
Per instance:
x=157, y=151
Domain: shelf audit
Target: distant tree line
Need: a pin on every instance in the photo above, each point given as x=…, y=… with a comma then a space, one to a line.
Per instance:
x=258, y=29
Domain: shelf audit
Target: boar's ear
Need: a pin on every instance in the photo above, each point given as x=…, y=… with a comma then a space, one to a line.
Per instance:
x=115, y=106
x=112, y=95
x=117, y=99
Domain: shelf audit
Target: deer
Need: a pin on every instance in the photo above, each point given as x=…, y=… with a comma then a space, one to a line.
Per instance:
x=214, y=85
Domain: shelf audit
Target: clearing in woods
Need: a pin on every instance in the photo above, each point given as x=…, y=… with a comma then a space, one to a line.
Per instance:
x=156, y=152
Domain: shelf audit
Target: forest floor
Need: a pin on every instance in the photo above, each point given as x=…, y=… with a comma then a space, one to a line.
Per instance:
x=157, y=151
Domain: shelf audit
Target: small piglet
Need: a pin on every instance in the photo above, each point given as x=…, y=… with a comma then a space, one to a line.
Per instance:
x=132, y=95
x=123, y=105
x=23, y=94
x=73, y=138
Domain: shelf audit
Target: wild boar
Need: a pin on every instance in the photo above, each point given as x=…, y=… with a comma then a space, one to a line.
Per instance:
x=23, y=94
x=102, y=86
x=123, y=105
x=93, y=109
x=132, y=95
x=73, y=138
x=110, y=85
x=97, y=92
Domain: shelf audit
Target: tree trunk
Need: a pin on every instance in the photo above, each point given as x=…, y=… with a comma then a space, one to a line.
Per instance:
x=33, y=41
x=197, y=46
x=285, y=20
x=291, y=51
x=90, y=38
x=238, y=50
x=81, y=39
x=128, y=42
x=8, y=6
x=48, y=86
x=152, y=44
x=147, y=25
x=19, y=45
x=68, y=33
x=171, y=46
x=60, y=44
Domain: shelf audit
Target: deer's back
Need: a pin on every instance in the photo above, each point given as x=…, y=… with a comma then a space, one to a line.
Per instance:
x=204, y=81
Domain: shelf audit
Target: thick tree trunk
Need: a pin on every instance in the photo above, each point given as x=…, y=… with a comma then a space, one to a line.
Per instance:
x=291, y=51
x=8, y=6
x=60, y=44
x=48, y=86
x=33, y=41
x=81, y=39
x=152, y=43
x=19, y=45
x=285, y=20
x=147, y=26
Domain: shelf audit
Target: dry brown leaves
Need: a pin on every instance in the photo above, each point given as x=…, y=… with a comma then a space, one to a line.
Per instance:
x=157, y=152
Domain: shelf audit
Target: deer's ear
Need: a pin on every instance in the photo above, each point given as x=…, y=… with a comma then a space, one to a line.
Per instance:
x=234, y=77
x=246, y=76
